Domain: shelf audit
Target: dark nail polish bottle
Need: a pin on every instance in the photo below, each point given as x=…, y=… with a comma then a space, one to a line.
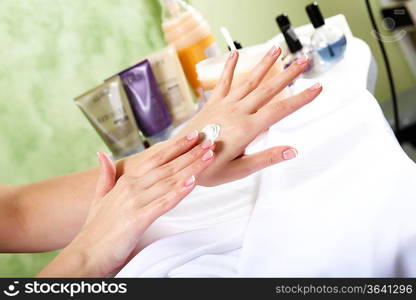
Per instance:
x=328, y=41
x=237, y=45
x=295, y=46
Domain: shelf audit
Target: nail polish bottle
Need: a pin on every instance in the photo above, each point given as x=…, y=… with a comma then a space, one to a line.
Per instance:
x=295, y=46
x=237, y=45
x=328, y=41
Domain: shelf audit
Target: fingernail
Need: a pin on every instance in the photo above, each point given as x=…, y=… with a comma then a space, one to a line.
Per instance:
x=190, y=181
x=100, y=154
x=232, y=54
x=289, y=154
x=272, y=51
x=99, y=158
x=206, y=144
x=191, y=136
x=302, y=60
x=208, y=155
x=315, y=87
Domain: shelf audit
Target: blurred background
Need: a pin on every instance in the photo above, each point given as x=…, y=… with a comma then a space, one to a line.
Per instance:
x=54, y=50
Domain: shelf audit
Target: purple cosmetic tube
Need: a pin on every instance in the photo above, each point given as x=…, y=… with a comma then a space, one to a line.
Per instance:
x=147, y=102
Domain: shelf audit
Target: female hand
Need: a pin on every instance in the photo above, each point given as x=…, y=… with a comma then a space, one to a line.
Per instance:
x=244, y=112
x=122, y=211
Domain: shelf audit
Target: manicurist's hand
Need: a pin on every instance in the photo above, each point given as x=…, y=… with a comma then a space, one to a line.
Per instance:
x=246, y=110
x=122, y=211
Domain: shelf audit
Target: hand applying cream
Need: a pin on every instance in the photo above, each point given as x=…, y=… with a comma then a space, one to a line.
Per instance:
x=245, y=110
x=123, y=210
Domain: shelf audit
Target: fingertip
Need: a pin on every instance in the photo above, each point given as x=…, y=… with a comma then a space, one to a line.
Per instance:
x=188, y=186
x=312, y=93
x=106, y=175
x=106, y=157
x=302, y=61
x=194, y=135
x=274, y=52
x=207, y=144
x=185, y=143
x=300, y=65
x=233, y=59
x=105, y=162
x=316, y=87
x=289, y=153
x=279, y=52
x=236, y=54
x=190, y=181
x=208, y=156
x=100, y=158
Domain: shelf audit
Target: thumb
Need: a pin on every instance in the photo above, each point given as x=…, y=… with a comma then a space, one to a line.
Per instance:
x=248, y=164
x=106, y=177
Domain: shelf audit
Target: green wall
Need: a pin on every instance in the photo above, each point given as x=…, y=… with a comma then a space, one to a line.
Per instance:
x=53, y=50
x=252, y=22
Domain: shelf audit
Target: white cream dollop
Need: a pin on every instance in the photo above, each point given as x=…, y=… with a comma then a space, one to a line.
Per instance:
x=210, y=132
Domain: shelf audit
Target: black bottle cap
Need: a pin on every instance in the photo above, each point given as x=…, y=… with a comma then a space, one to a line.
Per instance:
x=292, y=40
x=283, y=22
x=315, y=15
x=237, y=46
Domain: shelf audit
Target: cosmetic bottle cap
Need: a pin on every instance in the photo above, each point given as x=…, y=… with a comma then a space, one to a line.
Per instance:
x=315, y=15
x=292, y=40
x=237, y=46
x=172, y=8
x=283, y=22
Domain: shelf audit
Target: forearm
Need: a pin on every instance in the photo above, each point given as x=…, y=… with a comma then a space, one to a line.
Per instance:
x=52, y=211
x=9, y=218
x=49, y=214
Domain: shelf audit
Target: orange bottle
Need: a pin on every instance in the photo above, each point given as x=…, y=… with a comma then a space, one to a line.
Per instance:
x=187, y=30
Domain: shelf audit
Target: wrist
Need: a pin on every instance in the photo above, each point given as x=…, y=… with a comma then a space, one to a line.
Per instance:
x=73, y=261
x=83, y=259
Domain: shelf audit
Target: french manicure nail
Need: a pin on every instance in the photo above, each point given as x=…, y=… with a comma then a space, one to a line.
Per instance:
x=190, y=181
x=272, y=51
x=289, y=154
x=191, y=136
x=208, y=155
x=206, y=144
x=302, y=60
x=99, y=158
x=315, y=87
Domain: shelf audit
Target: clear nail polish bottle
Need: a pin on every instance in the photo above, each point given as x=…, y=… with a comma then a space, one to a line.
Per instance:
x=328, y=41
x=295, y=46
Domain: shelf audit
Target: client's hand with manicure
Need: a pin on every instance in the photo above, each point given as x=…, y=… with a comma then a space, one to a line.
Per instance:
x=246, y=110
x=122, y=211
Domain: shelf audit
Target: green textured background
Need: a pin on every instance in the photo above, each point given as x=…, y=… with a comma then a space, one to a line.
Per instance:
x=53, y=50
